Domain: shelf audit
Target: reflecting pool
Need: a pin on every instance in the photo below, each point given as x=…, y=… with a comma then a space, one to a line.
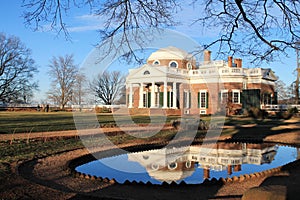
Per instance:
x=192, y=164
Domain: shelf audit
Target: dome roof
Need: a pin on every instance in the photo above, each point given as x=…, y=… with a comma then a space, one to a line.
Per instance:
x=170, y=53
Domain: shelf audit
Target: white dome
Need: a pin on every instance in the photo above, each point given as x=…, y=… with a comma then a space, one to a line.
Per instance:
x=171, y=52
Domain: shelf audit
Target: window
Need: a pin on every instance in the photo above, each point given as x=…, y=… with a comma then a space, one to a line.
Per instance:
x=224, y=96
x=173, y=64
x=187, y=99
x=155, y=166
x=235, y=96
x=172, y=166
x=145, y=100
x=156, y=62
x=203, y=99
x=146, y=72
x=189, y=66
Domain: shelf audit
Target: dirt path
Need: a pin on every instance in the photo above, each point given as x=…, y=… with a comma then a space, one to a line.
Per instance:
x=75, y=133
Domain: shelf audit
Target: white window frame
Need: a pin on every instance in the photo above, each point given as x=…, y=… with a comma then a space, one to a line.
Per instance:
x=239, y=96
x=221, y=96
x=189, y=66
x=174, y=62
x=154, y=62
x=187, y=98
x=205, y=99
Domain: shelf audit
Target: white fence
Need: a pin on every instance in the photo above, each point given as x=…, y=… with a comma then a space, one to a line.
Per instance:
x=279, y=107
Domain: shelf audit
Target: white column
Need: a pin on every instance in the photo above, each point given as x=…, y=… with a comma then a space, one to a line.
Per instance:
x=165, y=95
x=130, y=96
x=174, y=95
x=153, y=95
x=141, y=102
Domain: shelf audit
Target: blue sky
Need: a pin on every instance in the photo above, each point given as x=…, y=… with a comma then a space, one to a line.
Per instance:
x=84, y=36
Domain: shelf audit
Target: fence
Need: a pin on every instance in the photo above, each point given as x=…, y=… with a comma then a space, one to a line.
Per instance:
x=279, y=107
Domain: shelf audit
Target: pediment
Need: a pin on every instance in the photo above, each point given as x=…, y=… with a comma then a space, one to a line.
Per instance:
x=147, y=71
x=268, y=74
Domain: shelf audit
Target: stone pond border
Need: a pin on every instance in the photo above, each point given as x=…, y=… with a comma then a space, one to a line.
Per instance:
x=144, y=147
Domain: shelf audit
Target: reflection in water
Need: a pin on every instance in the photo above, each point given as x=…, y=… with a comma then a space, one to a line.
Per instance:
x=192, y=164
x=174, y=165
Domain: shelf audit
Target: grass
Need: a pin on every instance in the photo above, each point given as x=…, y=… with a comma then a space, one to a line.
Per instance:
x=27, y=122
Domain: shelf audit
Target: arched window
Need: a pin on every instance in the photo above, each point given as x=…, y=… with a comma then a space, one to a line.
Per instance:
x=173, y=64
x=189, y=66
x=172, y=166
x=146, y=72
x=156, y=62
x=154, y=166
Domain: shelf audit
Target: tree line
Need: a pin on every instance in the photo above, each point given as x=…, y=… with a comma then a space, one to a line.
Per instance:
x=68, y=84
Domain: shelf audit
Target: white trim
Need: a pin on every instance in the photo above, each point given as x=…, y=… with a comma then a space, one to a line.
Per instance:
x=201, y=106
x=172, y=168
x=189, y=66
x=154, y=62
x=173, y=61
x=221, y=96
x=203, y=112
x=239, y=96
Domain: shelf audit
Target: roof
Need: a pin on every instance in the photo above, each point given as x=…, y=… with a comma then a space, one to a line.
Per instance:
x=170, y=53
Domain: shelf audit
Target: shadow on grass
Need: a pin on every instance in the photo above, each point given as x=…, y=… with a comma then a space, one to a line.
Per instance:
x=262, y=129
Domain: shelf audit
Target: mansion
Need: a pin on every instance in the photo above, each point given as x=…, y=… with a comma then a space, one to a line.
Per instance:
x=173, y=80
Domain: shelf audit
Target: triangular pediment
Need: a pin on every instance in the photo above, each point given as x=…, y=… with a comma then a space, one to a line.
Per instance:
x=268, y=74
x=147, y=71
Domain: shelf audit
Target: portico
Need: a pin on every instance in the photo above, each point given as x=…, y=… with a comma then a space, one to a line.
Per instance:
x=154, y=94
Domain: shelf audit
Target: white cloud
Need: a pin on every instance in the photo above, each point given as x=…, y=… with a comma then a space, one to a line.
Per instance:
x=88, y=22
x=84, y=28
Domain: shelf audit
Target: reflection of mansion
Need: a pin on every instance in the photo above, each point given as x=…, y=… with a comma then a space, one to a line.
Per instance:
x=174, y=81
x=178, y=163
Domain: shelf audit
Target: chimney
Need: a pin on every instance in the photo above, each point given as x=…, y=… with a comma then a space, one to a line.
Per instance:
x=229, y=61
x=206, y=173
x=207, y=54
x=238, y=62
x=229, y=169
x=237, y=168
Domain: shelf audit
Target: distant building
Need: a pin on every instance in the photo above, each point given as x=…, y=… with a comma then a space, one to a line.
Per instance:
x=173, y=80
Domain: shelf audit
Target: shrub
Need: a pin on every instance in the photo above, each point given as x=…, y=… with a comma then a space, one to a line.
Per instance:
x=102, y=109
x=284, y=115
x=256, y=113
x=293, y=110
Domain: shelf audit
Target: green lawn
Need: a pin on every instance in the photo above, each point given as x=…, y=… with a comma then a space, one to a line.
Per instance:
x=26, y=122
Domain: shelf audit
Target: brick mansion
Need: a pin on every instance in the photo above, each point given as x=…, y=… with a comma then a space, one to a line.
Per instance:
x=173, y=80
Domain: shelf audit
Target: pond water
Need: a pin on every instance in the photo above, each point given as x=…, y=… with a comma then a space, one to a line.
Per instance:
x=192, y=164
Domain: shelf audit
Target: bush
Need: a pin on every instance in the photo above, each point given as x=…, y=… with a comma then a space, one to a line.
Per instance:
x=189, y=124
x=293, y=110
x=102, y=109
x=284, y=115
x=256, y=113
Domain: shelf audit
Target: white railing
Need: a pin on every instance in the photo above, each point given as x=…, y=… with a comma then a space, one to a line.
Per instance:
x=277, y=107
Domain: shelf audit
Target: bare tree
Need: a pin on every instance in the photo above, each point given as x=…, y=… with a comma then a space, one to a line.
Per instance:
x=63, y=73
x=260, y=29
x=17, y=69
x=79, y=89
x=282, y=91
x=108, y=86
